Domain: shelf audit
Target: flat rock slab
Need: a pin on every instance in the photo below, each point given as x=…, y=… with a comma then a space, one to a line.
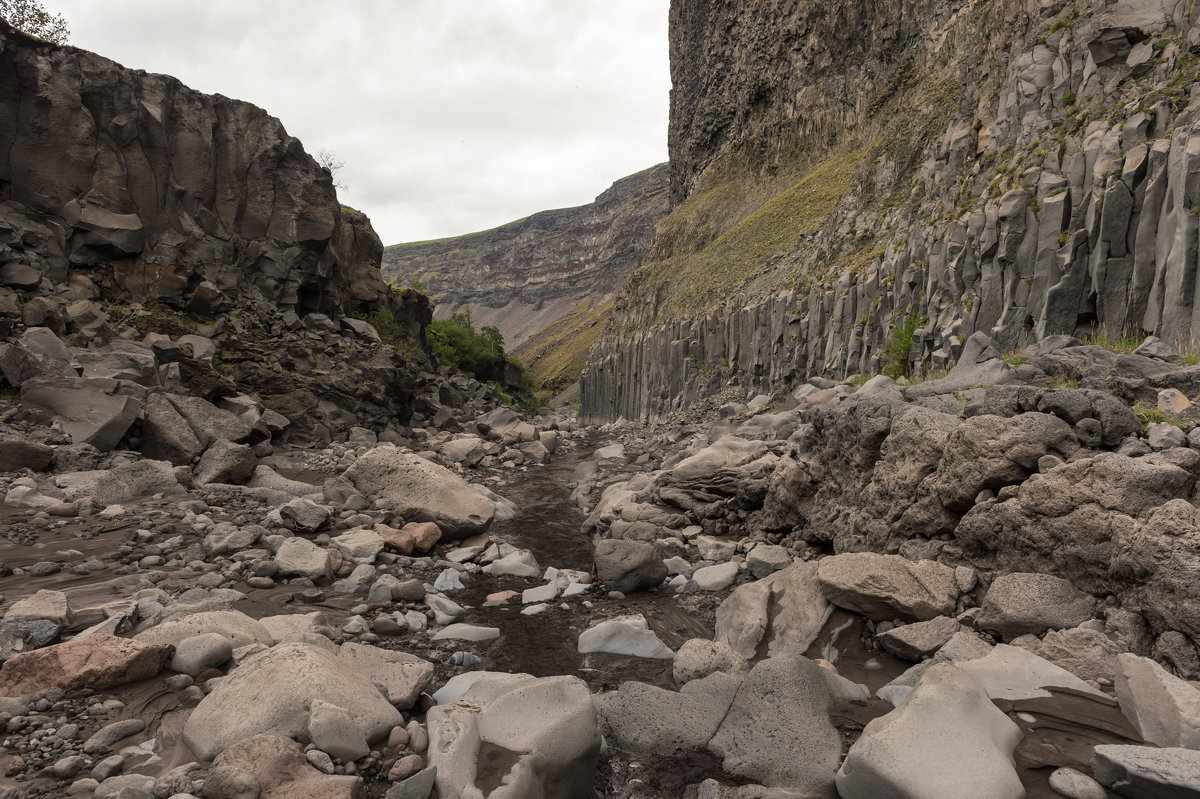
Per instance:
x=466, y=632
x=1012, y=673
x=885, y=587
x=405, y=677
x=1148, y=773
x=917, y=641
x=945, y=741
x=98, y=662
x=625, y=635
x=46, y=605
x=240, y=629
x=281, y=685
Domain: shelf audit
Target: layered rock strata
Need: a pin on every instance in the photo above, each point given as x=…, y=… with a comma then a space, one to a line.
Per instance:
x=523, y=276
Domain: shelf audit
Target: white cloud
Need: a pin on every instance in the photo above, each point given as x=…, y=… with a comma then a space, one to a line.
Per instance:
x=451, y=115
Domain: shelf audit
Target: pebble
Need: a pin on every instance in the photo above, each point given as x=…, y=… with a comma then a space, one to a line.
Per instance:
x=1076, y=785
x=108, y=767
x=405, y=767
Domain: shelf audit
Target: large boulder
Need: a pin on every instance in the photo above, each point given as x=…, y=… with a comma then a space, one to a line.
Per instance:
x=1164, y=709
x=885, y=587
x=785, y=610
x=422, y=491
x=123, y=483
x=281, y=684
x=1029, y=604
x=277, y=769
x=1146, y=772
x=628, y=566
x=166, y=435
x=96, y=662
x=513, y=736
x=652, y=722
x=87, y=415
x=781, y=709
x=403, y=676
x=945, y=741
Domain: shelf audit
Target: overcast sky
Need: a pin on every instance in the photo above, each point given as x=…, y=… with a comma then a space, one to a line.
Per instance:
x=451, y=116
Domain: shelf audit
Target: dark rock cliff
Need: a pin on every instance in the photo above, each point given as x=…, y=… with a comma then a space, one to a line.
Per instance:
x=159, y=192
x=523, y=276
x=1016, y=168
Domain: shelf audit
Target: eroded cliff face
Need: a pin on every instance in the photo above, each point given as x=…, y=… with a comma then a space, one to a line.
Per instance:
x=523, y=276
x=159, y=192
x=1015, y=167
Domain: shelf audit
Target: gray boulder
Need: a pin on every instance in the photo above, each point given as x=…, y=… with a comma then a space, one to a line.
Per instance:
x=628, y=566
x=1164, y=709
x=166, y=435
x=884, y=587
x=945, y=741
x=422, y=491
x=225, y=462
x=786, y=609
x=299, y=556
x=1029, y=604
x=282, y=684
x=544, y=728
x=652, y=722
x=1144, y=772
x=781, y=709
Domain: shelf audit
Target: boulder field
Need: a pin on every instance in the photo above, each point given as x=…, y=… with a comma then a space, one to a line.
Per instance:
x=968, y=587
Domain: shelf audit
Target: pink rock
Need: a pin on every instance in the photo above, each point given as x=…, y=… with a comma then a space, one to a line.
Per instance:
x=98, y=662
x=414, y=538
x=279, y=768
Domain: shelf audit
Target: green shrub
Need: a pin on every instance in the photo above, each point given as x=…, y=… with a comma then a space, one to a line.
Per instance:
x=385, y=324
x=457, y=345
x=899, y=345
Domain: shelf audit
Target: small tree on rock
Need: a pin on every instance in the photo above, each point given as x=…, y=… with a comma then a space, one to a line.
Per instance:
x=327, y=160
x=30, y=17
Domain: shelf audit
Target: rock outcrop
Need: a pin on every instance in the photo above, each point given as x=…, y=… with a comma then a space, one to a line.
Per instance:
x=834, y=175
x=155, y=191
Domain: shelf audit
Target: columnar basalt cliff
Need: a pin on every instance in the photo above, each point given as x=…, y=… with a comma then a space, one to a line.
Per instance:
x=1017, y=168
x=523, y=276
x=158, y=192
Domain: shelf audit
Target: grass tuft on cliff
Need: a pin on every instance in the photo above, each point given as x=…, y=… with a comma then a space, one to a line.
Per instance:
x=557, y=354
x=711, y=246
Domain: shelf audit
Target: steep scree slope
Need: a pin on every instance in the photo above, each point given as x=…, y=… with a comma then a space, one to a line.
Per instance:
x=1016, y=167
x=159, y=192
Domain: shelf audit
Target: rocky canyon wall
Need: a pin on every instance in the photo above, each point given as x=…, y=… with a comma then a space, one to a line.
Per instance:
x=1015, y=167
x=159, y=192
x=523, y=276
